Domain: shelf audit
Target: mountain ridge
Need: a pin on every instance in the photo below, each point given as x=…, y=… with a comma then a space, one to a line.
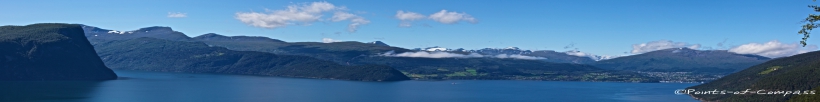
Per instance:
x=153, y=54
x=359, y=53
x=698, y=65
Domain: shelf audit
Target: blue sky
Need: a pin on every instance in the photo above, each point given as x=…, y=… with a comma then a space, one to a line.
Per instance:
x=604, y=27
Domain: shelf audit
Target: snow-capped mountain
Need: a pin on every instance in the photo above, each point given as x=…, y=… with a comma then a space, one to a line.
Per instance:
x=94, y=33
x=485, y=51
x=496, y=51
x=591, y=56
x=434, y=48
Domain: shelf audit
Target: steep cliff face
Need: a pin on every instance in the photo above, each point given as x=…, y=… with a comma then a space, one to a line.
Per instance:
x=49, y=52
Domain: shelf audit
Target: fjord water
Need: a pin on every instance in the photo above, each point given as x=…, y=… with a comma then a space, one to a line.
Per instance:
x=140, y=86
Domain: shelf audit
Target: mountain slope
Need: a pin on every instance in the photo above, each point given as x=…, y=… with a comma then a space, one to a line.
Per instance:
x=798, y=72
x=151, y=54
x=222, y=38
x=357, y=53
x=95, y=34
x=683, y=60
x=683, y=64
x=378, y=43
x=49, y=52
x=559, y=57
x=547, y=55
x=339, y=52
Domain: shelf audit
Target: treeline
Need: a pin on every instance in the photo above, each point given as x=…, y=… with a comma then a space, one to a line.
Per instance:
x=506, y=69
x=798, y=72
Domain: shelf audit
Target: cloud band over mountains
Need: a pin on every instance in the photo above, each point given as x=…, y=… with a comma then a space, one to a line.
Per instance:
x=660, y=45
x=437, y=54
x=771, y=49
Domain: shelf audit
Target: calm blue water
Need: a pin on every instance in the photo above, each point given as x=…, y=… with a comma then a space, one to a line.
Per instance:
x=139, y=86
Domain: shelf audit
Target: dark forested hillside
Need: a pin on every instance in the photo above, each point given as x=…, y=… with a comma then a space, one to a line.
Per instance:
x=222, y=38
x=683, y=64
x=357, y=53
x=684, y=60
x=151, y=54
x=338, y=51
x=49, y=52
x=798, y=72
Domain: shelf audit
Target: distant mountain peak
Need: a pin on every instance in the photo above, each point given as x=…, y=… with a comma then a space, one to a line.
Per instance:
x=95, y=33
x=378, y=43
x=591, y=56
x=212, y=35
x=155, y=28
x=436, y=48
x=511, y=48
x=218, y=37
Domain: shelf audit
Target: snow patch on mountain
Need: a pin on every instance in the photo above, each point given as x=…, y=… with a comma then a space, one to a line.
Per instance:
x=436, y=48
x=425, y=54
x=591, y=56
x=119, y=32
x=378, y=43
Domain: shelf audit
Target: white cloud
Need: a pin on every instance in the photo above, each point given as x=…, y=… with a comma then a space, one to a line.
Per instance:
x=329, y=40
x=772, y=49
x=299, y=13
x=355, y=23
x=577, y=53
x=694, y=46
x=340, y=16
x=452, y=17
x=405, y=24
x=606, y=57
x=660, y=45
x=407, y=18
x=438, y=54
x=177, y=15
x=518, y=57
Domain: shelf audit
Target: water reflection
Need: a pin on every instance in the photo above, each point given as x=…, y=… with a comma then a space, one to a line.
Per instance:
x=187, y=87
x=13, y=91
